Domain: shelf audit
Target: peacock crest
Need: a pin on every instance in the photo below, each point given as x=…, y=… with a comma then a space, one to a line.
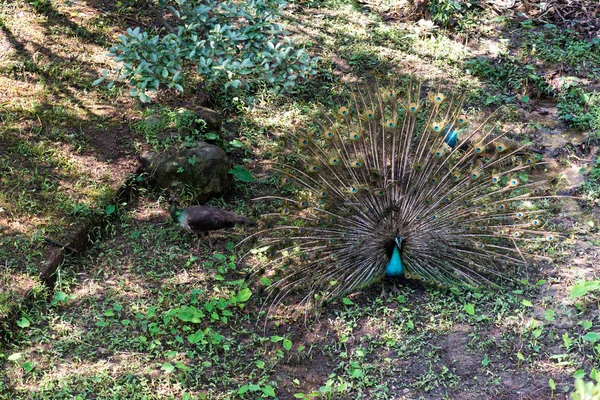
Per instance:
x=403, y=185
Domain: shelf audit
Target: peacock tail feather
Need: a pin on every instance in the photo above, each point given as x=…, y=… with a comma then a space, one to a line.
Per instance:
x=403, y=186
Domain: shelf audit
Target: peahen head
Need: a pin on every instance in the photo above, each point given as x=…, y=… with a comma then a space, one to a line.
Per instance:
x=393, y=185
x=173, y=210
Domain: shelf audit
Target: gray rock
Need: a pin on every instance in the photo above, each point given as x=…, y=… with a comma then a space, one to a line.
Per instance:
x=211, y=117
x=204, y=167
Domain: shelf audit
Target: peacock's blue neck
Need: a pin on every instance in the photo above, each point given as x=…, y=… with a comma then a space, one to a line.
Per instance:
x=395, y=268
x=178, y=215
x=450, y=136
x=181, y=216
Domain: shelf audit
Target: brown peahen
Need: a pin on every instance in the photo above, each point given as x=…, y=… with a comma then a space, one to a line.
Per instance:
x=201, y=220
x=390, y=186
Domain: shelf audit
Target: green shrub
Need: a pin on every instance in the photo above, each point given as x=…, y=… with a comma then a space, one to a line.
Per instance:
x=229, y=43
x=462, y=14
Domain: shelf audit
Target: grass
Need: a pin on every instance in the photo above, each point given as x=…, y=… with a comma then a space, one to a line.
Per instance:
x=171, y=320
x=139, y=315
x=558, y=46
x=580, y=108
x=55, y=167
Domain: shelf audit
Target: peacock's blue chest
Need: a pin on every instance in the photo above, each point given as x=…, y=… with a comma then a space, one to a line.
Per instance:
x=395, y=267
x=182, y=220
x=450, y=136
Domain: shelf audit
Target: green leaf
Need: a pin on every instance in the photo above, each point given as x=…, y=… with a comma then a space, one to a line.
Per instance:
x=243, y=295
x=253, y=387
x=196, y=337
x=168, y=367
x=526, y=303
x=520, y=356
x=525, y=99
x=486, y=361
x=591, y=337
x=325, y=389
x=151, y=311
x=579, y=290
x=566, y=340
x=287, y=344
x=357, y=373
x=59, y=297
x=240, y=174
x=98, y=81
x=171, y=353
x=469, y=309
x=237, y=144
x=268, y=391
x=552, y=384
x=260, y=364
x=23, y=322
x=549, y=315
x=27, y=366
x=347, y=301
x=265, y=281
x=587, y=324
x=579, y=374
x=110, y=209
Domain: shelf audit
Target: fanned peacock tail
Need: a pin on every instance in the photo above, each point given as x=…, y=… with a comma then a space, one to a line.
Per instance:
x=391, y=186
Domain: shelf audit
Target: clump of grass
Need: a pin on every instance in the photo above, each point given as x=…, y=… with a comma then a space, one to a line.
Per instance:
x=554, y=45
x=163, y=127
x=580, y=108
x=507, y=78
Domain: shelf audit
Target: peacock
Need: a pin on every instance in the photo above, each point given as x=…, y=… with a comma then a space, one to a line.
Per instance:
x=201, y=220
x=404, y=187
